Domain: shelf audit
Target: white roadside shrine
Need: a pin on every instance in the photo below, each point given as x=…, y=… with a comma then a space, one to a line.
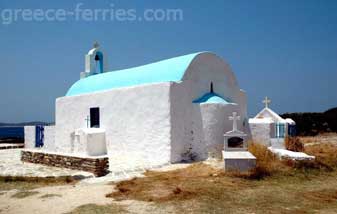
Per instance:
x=271, y=130
x=236, y=155
x=268, y=128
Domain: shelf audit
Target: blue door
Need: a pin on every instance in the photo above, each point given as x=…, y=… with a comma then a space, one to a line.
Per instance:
x=292, y=130
x=39, y=136
x=280, y=130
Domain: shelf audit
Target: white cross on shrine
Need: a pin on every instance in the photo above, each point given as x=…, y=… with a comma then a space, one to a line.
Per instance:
x=235, y=118
x=266, y=101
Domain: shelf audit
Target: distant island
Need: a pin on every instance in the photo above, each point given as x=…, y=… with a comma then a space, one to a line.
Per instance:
x=314, y=123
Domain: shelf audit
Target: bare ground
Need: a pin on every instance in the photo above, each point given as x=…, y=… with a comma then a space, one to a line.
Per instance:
x=61, y=199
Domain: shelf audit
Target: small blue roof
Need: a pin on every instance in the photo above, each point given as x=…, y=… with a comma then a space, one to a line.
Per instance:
x=170, y=70
x=211, y=98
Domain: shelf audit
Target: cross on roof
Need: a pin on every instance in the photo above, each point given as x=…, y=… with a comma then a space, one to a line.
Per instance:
x=96, y=45
x=266, y=101
x=235, y=118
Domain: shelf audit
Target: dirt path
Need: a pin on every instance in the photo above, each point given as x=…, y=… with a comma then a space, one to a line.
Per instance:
x=65, y=199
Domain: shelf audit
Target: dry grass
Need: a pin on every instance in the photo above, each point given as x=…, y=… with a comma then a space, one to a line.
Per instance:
x=202, y=189
x=267, y=163
x=326, y=155
x=329, y=138
x=184, y=184
x=28, y=183
x=175, y=185
x=294, y=144
x=275, y=186
x=323, y=195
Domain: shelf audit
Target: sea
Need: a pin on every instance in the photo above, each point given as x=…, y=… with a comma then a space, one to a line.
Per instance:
x=11, y=132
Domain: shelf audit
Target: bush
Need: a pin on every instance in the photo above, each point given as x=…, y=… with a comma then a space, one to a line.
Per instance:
x=267, y=163
x=294, y=144
x=312, y=124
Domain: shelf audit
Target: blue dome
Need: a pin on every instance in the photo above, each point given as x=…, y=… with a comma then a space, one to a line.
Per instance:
x=170, y=70
x=211, y=98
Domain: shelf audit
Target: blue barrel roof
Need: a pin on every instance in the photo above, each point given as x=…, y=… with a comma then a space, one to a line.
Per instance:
x=170, y=70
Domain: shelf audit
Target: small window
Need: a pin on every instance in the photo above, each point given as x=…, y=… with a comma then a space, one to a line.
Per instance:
x=235, y=142
x=94, y=118
x=211, y=88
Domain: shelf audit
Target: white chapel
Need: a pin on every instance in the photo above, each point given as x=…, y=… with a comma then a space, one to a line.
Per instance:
x=165, y=112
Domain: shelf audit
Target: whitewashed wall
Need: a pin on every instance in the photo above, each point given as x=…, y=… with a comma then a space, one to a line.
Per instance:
x=210, y=122
x=181, y=120
x=136, y=120
x=29, y=137
x=195, y=129
x=207, y=68
x=215, y=123
x=49, y=138
x=260, y=133
x=198, y=135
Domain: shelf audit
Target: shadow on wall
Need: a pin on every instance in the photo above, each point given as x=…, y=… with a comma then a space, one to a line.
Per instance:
x=208, y=125
x=195, y=149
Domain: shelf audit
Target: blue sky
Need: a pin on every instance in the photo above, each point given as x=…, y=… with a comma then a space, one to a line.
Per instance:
x=286, y=50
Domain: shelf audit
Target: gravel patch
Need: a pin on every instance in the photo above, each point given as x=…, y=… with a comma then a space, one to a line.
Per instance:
x=11, y=165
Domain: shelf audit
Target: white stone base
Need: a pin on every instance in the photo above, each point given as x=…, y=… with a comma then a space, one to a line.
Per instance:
x=90, y=141
x=286, y=154
x=241, y=161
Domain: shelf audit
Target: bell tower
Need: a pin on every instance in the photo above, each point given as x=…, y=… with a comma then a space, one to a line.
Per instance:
x=95, y=62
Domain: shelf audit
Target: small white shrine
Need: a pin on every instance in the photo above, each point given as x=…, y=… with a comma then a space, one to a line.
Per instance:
x=268, y=128
x=236, y=155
